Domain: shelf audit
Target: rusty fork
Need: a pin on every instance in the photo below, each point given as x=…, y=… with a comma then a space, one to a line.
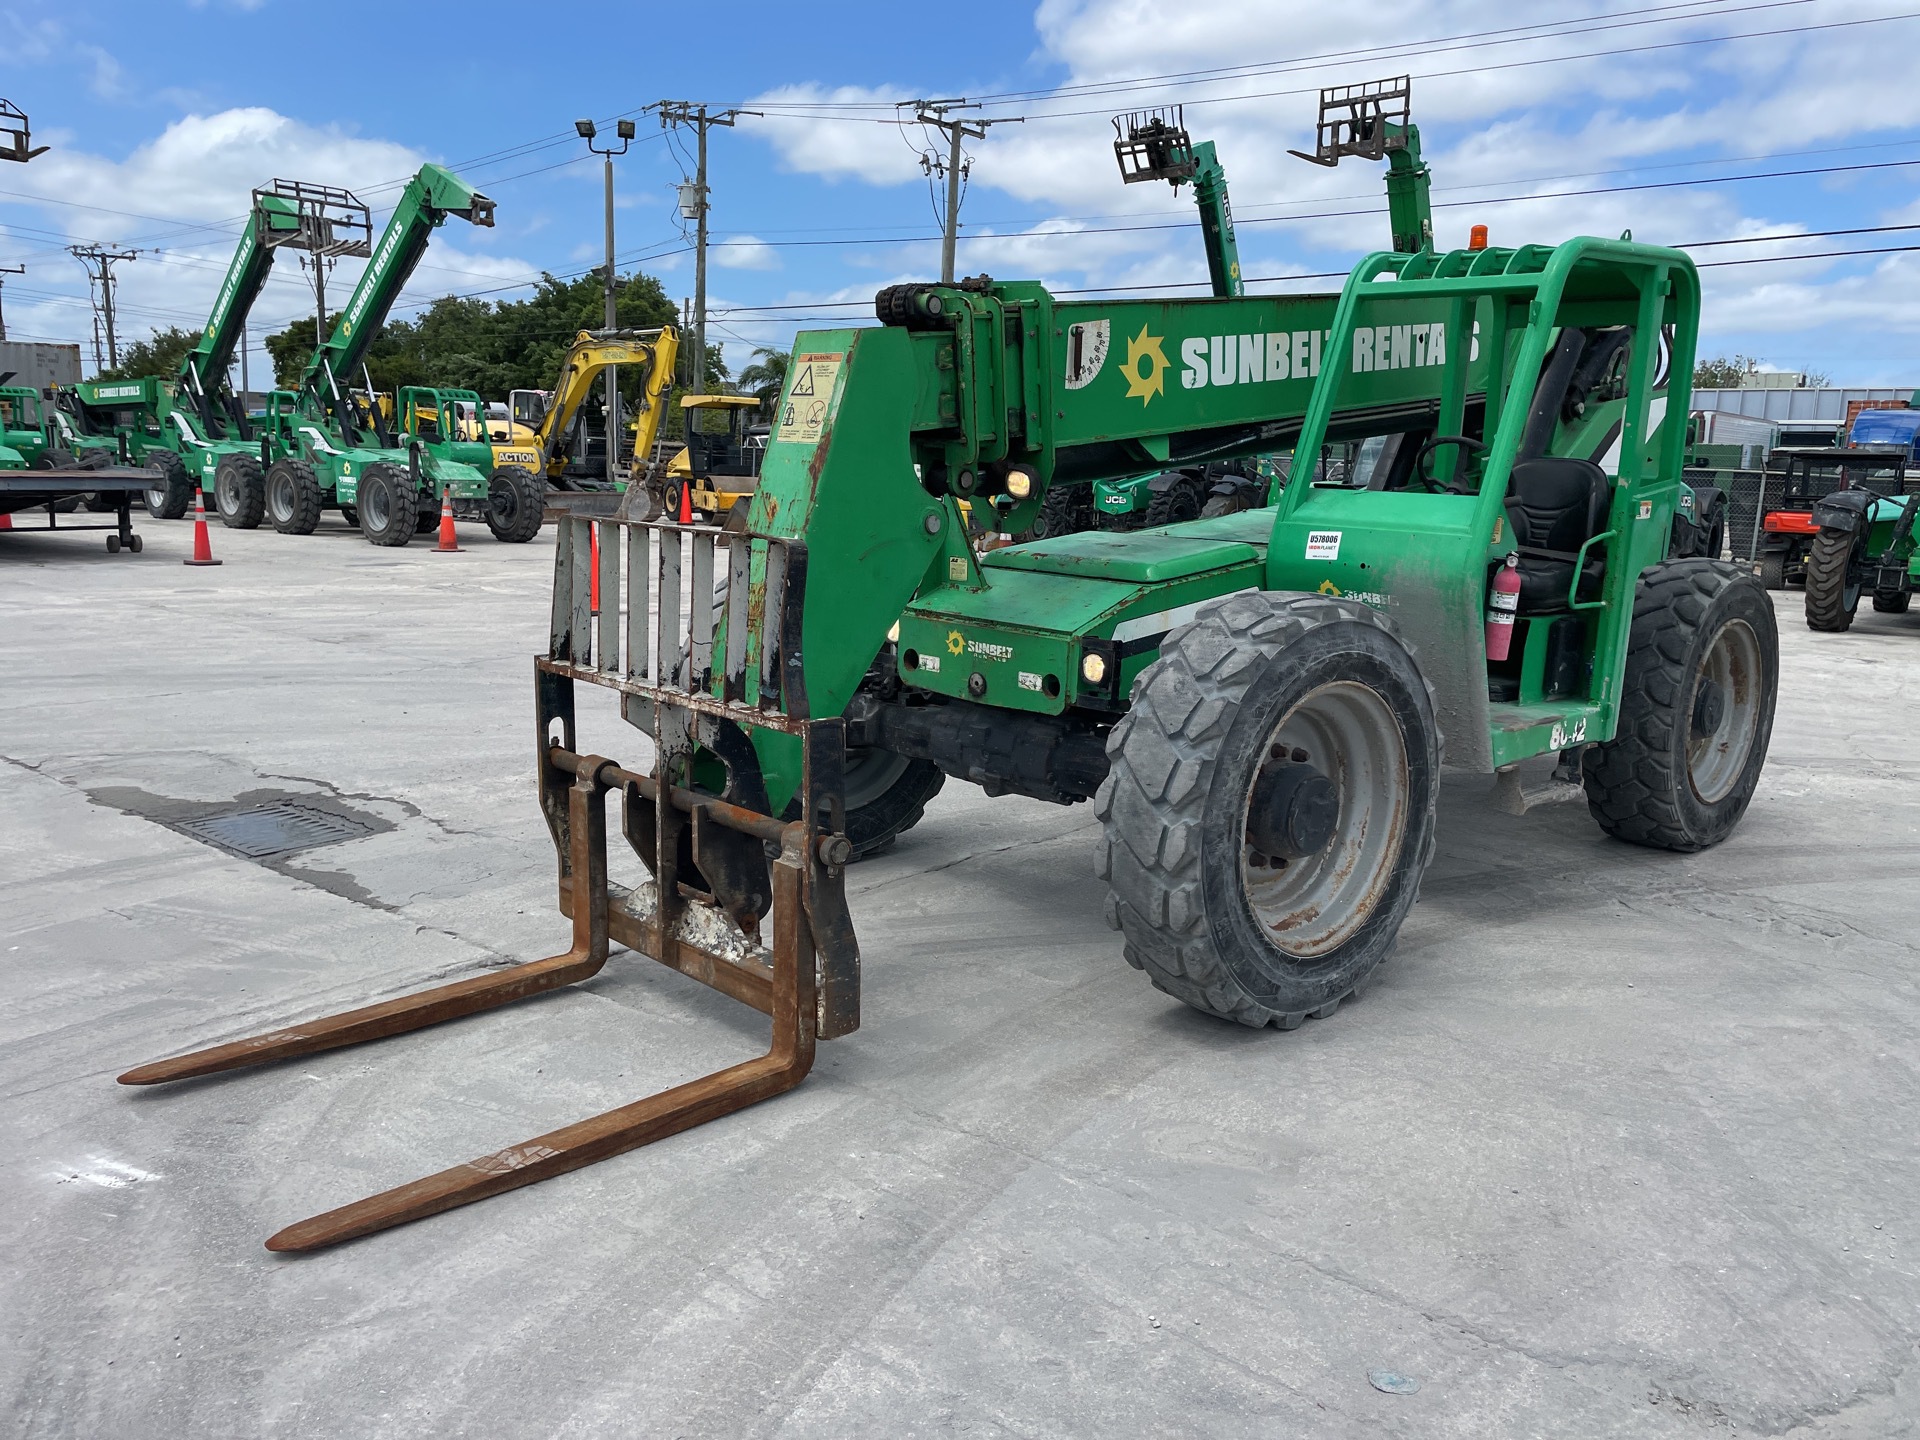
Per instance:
x=785, y=1065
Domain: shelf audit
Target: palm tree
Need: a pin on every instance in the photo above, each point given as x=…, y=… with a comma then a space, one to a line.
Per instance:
x=765, y=376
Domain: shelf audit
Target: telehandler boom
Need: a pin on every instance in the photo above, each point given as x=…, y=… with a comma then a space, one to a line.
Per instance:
x=1254, y=703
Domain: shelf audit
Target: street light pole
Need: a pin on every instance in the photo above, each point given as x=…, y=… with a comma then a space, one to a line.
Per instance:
x=624, y=130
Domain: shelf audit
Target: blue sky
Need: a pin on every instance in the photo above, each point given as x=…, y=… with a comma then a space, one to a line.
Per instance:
x=1629, y=113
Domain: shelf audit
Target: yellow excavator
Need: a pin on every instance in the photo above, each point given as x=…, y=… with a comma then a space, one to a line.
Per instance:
x=552, y=414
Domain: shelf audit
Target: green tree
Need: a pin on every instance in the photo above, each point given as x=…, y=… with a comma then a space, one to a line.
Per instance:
x=290, y=349
x=160, y=354
x=765, y=376
x=1722, y=372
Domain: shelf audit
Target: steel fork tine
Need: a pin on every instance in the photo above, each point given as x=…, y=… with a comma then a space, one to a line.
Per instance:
x=588, y=825
x=784, y=1066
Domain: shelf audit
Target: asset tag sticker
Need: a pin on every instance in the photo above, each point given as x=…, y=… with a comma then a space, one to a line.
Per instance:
x=803, y=418
x=1029, y=680
x=1646, y=509
x=956, y=567
x=930, y=664
x=1323, y=545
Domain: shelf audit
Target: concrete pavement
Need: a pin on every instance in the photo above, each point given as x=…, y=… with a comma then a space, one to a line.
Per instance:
x=1621, y=1143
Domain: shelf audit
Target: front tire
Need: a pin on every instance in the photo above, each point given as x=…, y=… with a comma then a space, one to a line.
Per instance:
x=293, y=497
x=1064, y=510
x=170, y=497
x=240, y=492
x=1263, y=705
x=516, y=504
x=1833, y=592
x=1773, y=570
x=1696, y=709
x=388, y=505
x=1892, y=602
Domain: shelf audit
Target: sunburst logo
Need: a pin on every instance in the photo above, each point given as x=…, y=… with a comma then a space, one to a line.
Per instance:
x=1146, y=367
x=1327, y=587
x=956, y=642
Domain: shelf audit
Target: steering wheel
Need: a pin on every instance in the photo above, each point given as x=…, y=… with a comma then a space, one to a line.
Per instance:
x=1423, y=463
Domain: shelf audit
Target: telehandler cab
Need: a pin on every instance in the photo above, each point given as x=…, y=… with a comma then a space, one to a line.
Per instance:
x=1255, y=703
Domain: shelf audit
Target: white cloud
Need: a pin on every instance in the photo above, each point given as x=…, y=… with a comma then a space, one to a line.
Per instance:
x=744, y=252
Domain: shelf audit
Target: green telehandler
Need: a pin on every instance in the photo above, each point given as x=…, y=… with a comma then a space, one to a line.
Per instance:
x=1254, y=703
x=450, y=425
x=328, y=448
x=1864, y=544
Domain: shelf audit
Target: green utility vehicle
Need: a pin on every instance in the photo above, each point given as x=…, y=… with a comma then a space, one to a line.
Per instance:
x=451, y=426
x=1864, y=543
x=331, y=450
x=1254, y=703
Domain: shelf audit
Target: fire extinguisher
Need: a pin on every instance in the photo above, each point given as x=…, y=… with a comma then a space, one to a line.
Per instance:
x=1502, y=602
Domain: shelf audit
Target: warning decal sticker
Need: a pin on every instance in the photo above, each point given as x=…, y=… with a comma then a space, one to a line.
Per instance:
x=1087, y=345
x=804, y=415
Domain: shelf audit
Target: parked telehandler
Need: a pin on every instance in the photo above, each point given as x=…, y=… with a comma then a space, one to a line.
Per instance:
x=1864, y=543
x=330, y=448
x=1254, y=703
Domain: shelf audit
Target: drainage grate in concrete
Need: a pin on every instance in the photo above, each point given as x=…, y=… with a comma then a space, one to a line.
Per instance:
x=262, y=831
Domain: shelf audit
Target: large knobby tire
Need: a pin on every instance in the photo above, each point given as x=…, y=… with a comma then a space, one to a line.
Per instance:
x=388, y=505
x=240, y=492
x=1892, y=602
x=54, y=458
x=293, y=497
x=1175, y=504
x=1773, y=570
x=887, y=795
x=1064, y=510
x=1696, y=709
x=1268, y=705
x=169, y=497
x=1832, y=594
x=516, y=504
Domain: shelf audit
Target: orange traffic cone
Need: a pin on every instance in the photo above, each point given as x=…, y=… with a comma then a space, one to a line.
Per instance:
x=686, y=504
x=6, y=522
x=202, y=546
x=449, y=540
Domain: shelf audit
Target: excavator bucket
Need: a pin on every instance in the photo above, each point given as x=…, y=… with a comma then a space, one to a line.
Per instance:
x=699, y=669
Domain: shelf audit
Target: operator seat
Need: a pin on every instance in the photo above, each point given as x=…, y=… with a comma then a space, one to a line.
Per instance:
x=1555, y=504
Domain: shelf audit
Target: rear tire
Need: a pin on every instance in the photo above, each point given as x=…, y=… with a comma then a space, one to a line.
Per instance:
x=1696, y=709
x=887, y=796
x=516, y=504
x=1176, y=504
x=169, y=499
x=293, y=497
x=1832, y=595
x=1257, y=688
x=1773, y=570
x=240, y=492
x=388, y=505
x=1892, y=602
x=1064, y=510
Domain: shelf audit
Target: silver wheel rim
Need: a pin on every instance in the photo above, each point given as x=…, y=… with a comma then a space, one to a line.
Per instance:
x=870, y=774
x=1717, y=755
x=1310, y=907
x=280, y=493
x=157, y=500
x=373, y=506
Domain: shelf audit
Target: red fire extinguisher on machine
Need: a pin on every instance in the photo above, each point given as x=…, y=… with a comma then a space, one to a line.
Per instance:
x=1502, y=601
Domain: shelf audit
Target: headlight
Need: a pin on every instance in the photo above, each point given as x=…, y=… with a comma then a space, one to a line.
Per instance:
x=1019, y=484
x=1093, y=668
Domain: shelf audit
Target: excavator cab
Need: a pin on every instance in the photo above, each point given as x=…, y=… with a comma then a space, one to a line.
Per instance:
x=726, y=439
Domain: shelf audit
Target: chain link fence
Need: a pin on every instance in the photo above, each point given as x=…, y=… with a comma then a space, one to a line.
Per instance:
x=1750, y=494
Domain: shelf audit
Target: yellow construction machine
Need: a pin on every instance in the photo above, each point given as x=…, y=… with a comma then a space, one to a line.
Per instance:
x=560, y=443
x=719, y=464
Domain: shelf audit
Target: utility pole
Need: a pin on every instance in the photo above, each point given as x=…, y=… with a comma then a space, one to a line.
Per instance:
x=623, y=129
x=944, y=115
x=694, y=207
x=99, y=362
x=100, y=263
x=6, y=270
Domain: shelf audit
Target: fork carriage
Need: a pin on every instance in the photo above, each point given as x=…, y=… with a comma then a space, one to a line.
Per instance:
x=719, y=864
